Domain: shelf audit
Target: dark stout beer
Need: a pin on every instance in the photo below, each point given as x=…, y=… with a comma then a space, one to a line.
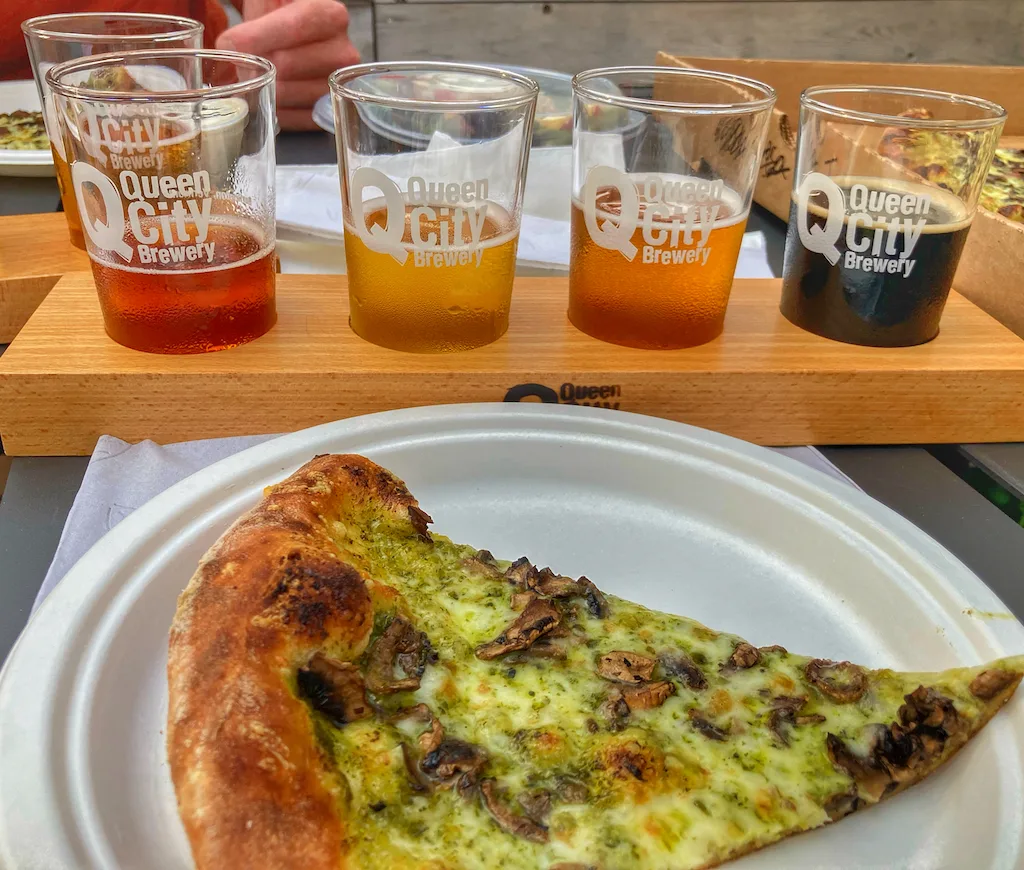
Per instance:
x=898, y=246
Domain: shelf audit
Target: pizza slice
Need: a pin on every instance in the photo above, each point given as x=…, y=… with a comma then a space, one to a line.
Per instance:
x=349, y=690
x=945, y=158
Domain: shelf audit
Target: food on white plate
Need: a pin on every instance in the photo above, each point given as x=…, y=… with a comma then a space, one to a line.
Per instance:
x=350, y=690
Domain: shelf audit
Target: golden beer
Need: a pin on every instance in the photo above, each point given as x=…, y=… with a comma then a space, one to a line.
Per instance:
x=450, y=294
x=672, y=294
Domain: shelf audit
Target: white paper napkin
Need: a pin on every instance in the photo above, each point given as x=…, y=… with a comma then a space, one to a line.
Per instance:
x=121, y=477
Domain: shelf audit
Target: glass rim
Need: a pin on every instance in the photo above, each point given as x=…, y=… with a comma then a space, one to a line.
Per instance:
x=37, y=27
x=609, y=73
x=76, y=92
x=811, y=99
x=340, y=78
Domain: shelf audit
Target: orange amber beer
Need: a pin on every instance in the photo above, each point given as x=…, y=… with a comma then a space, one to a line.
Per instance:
x=195, y=296
x=661, y=279
x=657, y=225
x=452, y=289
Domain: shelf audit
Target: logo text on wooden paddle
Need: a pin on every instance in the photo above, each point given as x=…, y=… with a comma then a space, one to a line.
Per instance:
x=600, y=396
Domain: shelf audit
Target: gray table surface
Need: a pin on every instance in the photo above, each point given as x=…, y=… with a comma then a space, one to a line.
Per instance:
x=910, y=480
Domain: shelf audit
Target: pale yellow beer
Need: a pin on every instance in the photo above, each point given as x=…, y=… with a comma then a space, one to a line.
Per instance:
x=440, y=299
x=677, y=298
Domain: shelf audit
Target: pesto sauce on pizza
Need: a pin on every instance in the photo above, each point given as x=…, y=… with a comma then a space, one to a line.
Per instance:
x=23, y=131
x=603, y=734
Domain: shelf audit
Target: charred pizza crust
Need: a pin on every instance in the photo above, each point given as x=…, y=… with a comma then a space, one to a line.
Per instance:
x=253, y=787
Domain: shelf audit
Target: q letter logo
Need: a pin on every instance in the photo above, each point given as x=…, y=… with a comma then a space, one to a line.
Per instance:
x=377, y=238
x=610, y=236
x=107, y=236
x=821, y=240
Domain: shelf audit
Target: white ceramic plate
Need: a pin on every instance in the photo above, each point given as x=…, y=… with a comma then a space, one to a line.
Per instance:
x=23, y=95
x=671, y=516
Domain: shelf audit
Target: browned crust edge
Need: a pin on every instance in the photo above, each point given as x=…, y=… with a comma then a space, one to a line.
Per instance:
x=253, y=789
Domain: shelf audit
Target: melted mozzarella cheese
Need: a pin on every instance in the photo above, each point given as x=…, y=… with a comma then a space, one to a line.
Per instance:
x=661, y=794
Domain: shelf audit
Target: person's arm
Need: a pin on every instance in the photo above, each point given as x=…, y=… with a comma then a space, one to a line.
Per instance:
x=306, y=40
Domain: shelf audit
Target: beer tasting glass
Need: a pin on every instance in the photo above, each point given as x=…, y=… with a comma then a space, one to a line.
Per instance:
x=53, y=39
x=172, y=164
x=433, y=168
x=885, y=187
x=664, y=165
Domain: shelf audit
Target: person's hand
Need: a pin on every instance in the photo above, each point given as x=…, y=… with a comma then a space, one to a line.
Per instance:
x=306, y=40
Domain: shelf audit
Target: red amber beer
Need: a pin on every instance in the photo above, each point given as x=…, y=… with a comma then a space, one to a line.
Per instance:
x=177, y=211
x=219, y=294
x=53, y=39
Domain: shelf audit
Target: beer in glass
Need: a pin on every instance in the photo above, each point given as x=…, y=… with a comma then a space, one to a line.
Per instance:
x=658, y=215
x=433, y=161
x=875, y=232
x=175, y=189
x=53, y=39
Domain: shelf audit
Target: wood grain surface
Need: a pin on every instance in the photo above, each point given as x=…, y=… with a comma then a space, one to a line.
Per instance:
x=63, y=382
x=34, y=252
x=572, y=36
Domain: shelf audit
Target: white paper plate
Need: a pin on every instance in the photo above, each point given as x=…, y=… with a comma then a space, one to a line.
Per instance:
x=23, y=95
x=669, y=515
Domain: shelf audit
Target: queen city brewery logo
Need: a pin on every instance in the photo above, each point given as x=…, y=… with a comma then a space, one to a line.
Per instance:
x=447, y=219
x=879, y=229
x=169, y=213
x=601, y=396
x=674, y=214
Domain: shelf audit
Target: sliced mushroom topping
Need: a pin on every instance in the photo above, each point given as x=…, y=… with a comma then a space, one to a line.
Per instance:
x=571, y=791
x=898, y=751
x=841, y=681
x=706, y=727
x=927, y=709
x=544, y=649
x=521, y=599
x=842, y=804
x=773, y=648
x=597, y=604
x=553, y=585
x=744, y=656
x=536, y=804
x=625, y=667
x=482, y=562
x=420, y=519
x=334, y=688
x=536, y=620
x=614, y=710
x=430, y=739
x=452, y=760
x=417, y=780
x=990, y=683
x=513, y=823
x=399, y=646
x=648, y=696
x=684, y=669
x=521, y=573
x=783, y=716
x=867, y=772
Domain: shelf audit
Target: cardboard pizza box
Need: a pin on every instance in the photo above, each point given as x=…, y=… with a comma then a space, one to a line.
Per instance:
x=993, y=260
